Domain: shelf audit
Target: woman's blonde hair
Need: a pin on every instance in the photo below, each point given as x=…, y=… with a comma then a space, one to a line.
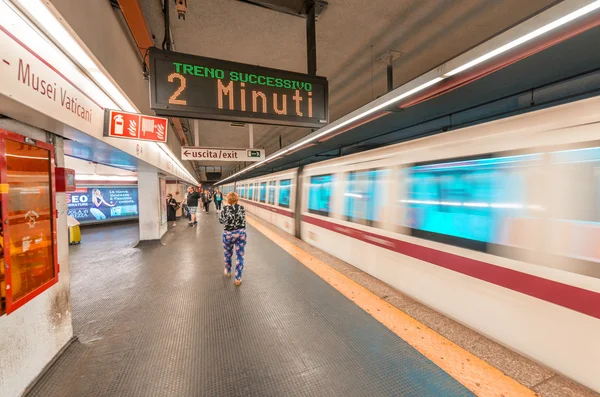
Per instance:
x=232, y=198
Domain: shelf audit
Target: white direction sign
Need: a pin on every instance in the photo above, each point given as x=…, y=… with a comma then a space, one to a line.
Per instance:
x=221, y=154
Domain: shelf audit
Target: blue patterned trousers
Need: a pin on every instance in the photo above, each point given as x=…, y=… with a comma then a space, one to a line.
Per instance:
x=234, y=239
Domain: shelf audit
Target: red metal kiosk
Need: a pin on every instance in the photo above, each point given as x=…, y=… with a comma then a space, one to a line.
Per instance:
x=29, y=263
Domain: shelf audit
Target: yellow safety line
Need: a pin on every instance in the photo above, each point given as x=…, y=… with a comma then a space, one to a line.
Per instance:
x=475, y=374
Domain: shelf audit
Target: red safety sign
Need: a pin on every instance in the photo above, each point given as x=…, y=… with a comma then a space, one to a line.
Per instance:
x=119, y=124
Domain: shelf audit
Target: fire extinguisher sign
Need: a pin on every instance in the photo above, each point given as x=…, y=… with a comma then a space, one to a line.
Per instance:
x=119, y=124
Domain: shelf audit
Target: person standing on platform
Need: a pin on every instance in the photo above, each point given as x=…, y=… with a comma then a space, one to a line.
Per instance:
x=206, y=199
x=192, y=202
x=218, y=196
x=172, y=207
x=233, y=218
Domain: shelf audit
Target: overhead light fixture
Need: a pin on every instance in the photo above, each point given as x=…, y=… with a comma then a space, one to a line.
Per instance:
x=70, y=57
x=46, y=20
x=114, y=178
x=368, y=112
x=523, y=39
x=172, y=156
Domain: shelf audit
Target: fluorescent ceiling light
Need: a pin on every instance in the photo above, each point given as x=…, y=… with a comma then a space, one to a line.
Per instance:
x=64, y=39
x=171, y=155
x=95, y=177
x=112, y=90
x=327, y=130
x=51, y=25
x=96, y=84
x=538, y=32
x=35, y=39
x=368, y=112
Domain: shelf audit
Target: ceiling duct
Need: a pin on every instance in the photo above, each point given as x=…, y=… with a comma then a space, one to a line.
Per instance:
x=292, y=7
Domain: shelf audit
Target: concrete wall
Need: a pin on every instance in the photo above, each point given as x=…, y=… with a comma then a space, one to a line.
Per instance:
x=32, y=335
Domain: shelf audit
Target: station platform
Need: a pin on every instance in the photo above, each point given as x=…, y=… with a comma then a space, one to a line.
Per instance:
x=164, y=321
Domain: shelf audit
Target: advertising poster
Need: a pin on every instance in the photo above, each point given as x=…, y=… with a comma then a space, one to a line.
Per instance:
x=98, y=204
x=163, y=197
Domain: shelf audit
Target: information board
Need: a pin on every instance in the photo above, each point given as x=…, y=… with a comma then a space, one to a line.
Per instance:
x=101, y=204
x=190, y=86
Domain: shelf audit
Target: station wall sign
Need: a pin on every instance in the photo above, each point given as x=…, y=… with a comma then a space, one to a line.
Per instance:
x=221, y=154
x=190, y=86
x=119, y=124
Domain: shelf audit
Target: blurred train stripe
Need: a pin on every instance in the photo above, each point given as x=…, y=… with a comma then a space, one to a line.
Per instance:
x=578, y=299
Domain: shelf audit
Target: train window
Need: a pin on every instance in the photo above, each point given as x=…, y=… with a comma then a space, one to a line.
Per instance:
x=284, y=193
x=366, y=192
x=359, y=196
x=263, y=192
x=575, y=185
x=319, y=194
x=469, y=200
x=272, y=192
x=251, y=191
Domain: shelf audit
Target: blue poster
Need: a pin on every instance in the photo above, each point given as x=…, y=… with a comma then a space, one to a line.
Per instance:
x=97, y=204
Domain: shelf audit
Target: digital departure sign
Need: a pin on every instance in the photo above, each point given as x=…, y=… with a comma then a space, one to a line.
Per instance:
x=190, y=86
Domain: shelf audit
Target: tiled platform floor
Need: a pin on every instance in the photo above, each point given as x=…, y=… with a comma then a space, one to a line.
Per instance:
x=164, y=321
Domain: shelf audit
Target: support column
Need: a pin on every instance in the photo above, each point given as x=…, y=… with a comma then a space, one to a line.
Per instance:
x=390, y=74
x=150, y=207
x=196, y=134
x=251, y=135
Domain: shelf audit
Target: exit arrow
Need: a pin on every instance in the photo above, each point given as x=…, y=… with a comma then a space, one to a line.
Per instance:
x=186, y=153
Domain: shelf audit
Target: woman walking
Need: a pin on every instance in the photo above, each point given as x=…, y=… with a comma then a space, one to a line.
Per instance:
x=206, y=199
x=233, y=218
x=218, y=196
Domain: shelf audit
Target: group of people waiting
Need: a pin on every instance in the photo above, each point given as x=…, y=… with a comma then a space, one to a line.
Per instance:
x=191, y=202
x=232, y=216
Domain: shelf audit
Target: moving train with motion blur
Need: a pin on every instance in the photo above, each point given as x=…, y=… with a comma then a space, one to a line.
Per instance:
x=495, y=225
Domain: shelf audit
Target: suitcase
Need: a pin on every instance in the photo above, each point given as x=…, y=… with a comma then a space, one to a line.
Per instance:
x=74, y=235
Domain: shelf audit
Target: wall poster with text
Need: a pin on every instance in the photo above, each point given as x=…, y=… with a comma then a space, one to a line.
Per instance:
x=103, y=203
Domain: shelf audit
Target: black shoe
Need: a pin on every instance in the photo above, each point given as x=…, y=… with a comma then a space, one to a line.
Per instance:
x=190, y=224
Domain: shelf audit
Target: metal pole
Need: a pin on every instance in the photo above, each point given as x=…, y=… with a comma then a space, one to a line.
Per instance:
x=251, y=135
x=167, y=45
x=311, y=38
x=196, y=134
x=390, y=74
